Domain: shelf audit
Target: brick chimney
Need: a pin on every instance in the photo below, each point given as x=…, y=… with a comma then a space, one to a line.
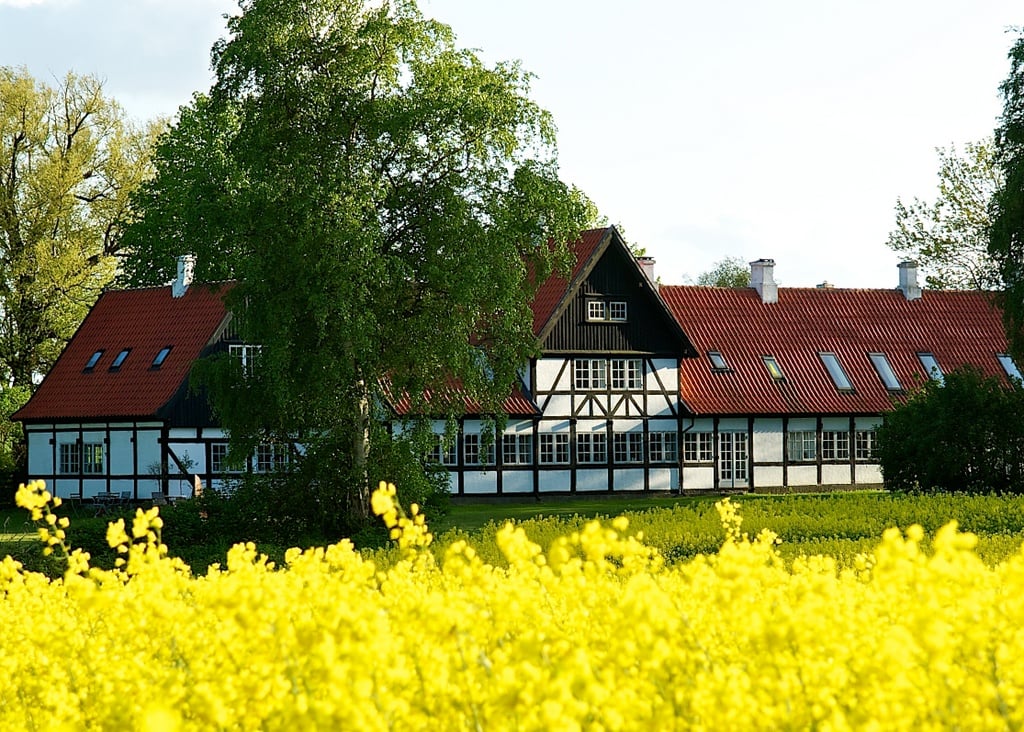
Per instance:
x=908, y=280
x=186, y=269
x=762, y=279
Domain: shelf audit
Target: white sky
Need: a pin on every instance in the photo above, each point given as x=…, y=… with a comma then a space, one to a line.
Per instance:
x=743, y=128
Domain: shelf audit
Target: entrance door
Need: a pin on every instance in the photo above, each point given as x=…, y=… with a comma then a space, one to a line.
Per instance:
x=732, y=460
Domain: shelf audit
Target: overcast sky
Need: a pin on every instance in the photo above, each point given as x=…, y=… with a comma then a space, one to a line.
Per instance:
x=740, y=128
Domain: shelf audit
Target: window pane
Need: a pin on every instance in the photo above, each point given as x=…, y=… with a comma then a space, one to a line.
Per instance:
x=931, y=366
x=885, y=372
x=773, y=367
x=717, y=360
x=617, y=310
x=596, y=310
x=835, y=370
x=1009, y=366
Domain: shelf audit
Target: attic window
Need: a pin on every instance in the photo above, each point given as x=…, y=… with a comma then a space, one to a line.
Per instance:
x=120, y=359
x=93, y=360
x=596, y=310
x=617, y=311
x=773, y=368
x=1009, y=366
x=606, y=311
x=931, y=367
x=885, y=372
x=835, y=370
x=161, y=357
x=717, y=361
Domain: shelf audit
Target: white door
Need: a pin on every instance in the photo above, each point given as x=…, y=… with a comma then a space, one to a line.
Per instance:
x=732, y=460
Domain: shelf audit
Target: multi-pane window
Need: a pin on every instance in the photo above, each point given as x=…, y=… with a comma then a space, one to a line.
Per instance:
x=591, y=373
x=270, y=457
x=70, y=458
x=698, y=447
x=247, y=356
x=802, y=446
x=554, y=447
x=218, y=457
x=626, y=373
x=662, y=447
x=473, y=450
x=592, y=447
x=597, y=310
x=864, y=443
x=443, y=451
x=835, y=445
x=836, y=371
x=517, y=449
x=885, y=371
x=92, y=458
x=617, y=311
x=629, y=447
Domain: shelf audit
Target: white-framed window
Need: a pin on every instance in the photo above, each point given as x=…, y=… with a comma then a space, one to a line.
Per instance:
x=443, y=451
x=864, y=444
x=270, y=457
x=597, y=310
x=885, y=371
x=774, y=370
x=627, y=373
x=219, y=458
x=628, y=447
x=591, y=447
x=247, y=356
x=554, y=448
x=835, y=445
x=92, y=458
x=1009, y=366
x=517, y=449
x=617, y=311
x=663, y=447
x=591, y=374
x=718, y=362
x=931, y=367
x=472, y=450
x=803, y=446
x=836, y=371
x=698, y=447
x=69, y=458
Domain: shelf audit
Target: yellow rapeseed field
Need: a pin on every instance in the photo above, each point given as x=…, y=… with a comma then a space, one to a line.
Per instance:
x=597, y=633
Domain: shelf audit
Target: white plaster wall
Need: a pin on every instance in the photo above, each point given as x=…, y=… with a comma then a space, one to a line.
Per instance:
x=40, y=453
x=520, y=481
x=592, y=425
x=547, y=373
x=481, y=482
x=767, y=447
x=592, y=480
x=663, y=425
x=121, y=454
x=705, y=424
x=767, y=476
x=803, y=475
x=698, y=479
x=836, y=475
x=148, y=445
x=733, y=424
x=558, y=404
x=664, y=479
x=869, y=473
x=555, y=480
x=629, y=479
x=63, y=487
x=803, y=424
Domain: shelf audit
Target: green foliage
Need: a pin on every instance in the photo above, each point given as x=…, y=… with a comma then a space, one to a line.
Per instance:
x=1006, y=244
x=12, y=452
x=70, y=159
x=727, y=272
x=961, y=434
x=949, y=236
x=389, y=205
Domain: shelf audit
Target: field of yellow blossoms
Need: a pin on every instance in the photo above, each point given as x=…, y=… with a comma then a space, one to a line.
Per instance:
x=596, y=633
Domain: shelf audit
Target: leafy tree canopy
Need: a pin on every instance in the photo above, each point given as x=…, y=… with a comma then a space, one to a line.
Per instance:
x=949, y=236
x=69, y=159
x=1006, y=244
x=388, y=204
x=727, y=272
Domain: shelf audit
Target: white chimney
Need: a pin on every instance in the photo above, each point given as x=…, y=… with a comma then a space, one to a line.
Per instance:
x=762, y=279
x=186, y=269
x=908, y=280
x=647, y=265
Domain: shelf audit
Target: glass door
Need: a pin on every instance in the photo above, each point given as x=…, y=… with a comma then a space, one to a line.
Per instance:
x=732, y=460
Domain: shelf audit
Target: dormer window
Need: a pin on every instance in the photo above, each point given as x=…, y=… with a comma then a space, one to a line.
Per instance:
x=885, y=371
x=1009, y=366
x=607, y=311
x=717, y=361
x=773, y=368
x=93, y=360
x=836, y=372
x=119, y=360
x=161, y=357
x=931, y=367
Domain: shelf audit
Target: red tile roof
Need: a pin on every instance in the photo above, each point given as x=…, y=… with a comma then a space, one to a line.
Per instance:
x=957, y=327
x=146, y=321
x=515, y=405
x=555, y=289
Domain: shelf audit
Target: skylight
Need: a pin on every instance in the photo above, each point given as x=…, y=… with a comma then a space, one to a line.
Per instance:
x=885, y=372
x=717, y=361
x=161, y=357
x=773, y=367
x=120, y=359
x=835, y=370
x=1009, y=366
x=93, y=360
x=931, y=367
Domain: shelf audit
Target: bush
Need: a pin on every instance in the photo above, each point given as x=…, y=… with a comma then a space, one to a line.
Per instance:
x=964, y=434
